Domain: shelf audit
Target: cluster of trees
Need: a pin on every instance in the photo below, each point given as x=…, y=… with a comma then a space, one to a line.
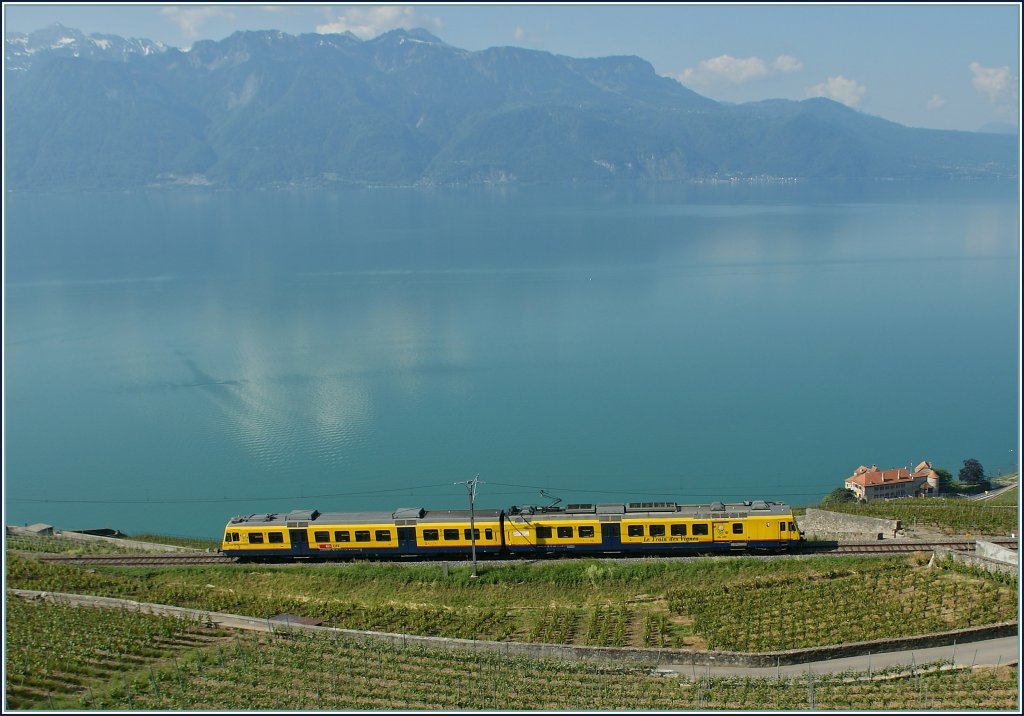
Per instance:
x=972, y=472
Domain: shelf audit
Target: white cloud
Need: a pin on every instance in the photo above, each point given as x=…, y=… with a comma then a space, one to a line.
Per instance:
x=535, y=38
x=936, y=102
x=726, y=68
x=736, y=70
x=367, y=22
x=849, y=92
x=787, y=63
x=189, y=20
x=995, y=82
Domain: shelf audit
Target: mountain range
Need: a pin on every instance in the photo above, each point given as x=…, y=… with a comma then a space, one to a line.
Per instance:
x=262, y=109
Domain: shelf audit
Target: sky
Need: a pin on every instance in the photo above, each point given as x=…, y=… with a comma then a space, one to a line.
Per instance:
x=940, y=65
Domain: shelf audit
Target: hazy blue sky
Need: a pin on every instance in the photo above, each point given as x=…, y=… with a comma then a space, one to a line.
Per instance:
x=950, y=66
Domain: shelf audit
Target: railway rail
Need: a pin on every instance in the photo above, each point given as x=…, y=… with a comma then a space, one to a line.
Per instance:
x=880, y=547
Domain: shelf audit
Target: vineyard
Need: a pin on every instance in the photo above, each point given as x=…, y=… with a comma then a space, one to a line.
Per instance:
x=53, y=651
x=1010, y=497
x=718, y=603
x=890, y=601
x=950, y=516
x=160, y=665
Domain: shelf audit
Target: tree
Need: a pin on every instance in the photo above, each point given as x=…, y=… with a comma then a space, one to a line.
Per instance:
x=839, y=496
x=945, y=478
x=972, y=472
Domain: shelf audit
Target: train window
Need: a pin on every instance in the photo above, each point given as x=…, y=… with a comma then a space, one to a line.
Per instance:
x=255, y=538
x=657, y=530
x=700, y=529
x=321, y=536
x=586, y=531
x=362, y=535
x=565, y=532
x=275, y=537
x=382, y=535
x=792, y=527
x=737, y=528
x=678, y=530
x=476, y=534
x=635, y=530
x=341, y=536
x=431, y=535
x=543, y=532
x=489, y=533
x=451, y=534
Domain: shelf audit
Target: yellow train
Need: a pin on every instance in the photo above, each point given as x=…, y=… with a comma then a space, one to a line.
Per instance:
x=633, y=528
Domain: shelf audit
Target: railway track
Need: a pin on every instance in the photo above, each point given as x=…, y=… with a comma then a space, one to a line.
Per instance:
x=899, y=547
x=880, y=547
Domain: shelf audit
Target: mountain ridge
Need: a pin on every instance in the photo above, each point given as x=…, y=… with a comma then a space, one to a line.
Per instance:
x=265, y=108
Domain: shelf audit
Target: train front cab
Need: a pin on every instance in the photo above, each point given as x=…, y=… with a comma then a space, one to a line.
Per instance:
x=771, y=532
x=264, y=542
x=655, y=534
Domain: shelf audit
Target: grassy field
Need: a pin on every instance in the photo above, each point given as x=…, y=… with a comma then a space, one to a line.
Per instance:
x=1010, y=497
x=65, y=545
x=86, y=659
x=193, y=542
x=716, y=602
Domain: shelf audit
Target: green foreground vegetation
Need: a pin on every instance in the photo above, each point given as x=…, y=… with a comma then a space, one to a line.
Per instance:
x=60, y=657
x=727, y=603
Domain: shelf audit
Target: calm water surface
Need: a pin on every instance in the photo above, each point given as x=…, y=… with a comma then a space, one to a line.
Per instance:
x=174, y=359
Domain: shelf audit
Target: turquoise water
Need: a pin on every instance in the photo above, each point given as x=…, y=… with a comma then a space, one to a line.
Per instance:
x=174, y=359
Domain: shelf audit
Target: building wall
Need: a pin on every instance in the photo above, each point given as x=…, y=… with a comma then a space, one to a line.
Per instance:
x=887, y=490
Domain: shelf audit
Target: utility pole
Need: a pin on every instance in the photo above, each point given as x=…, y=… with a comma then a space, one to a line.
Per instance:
x=471, y=488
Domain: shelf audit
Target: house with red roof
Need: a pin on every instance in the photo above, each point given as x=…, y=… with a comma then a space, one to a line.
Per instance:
x=870, y=483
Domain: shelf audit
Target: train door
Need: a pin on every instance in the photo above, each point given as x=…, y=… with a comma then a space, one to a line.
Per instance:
x=407, y=540
x=300, y=541
x=610, y=538
x=721, y=531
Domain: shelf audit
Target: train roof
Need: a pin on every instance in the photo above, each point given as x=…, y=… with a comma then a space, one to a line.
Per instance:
x=609, y=511
x=403, y=515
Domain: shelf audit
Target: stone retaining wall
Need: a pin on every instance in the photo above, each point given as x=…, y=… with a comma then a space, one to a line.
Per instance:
x=976, y=560
x=995, y=552
x=822, y=522
x=632, y=656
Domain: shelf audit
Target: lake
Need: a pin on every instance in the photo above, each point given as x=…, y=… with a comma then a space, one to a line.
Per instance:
x=173, y=359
